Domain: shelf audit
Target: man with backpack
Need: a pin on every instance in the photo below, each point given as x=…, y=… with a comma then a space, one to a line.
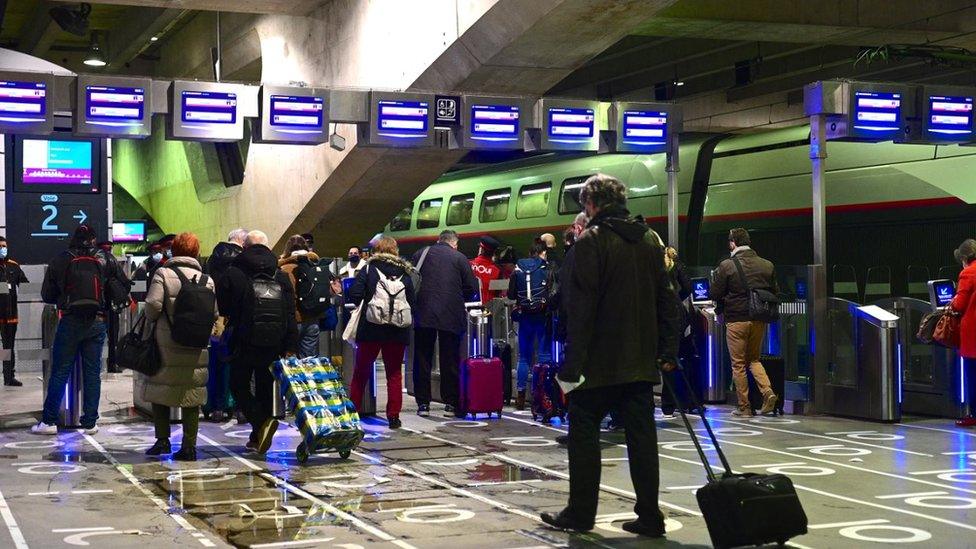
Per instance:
x=76, y=281
x=314, y=288
x=530, y=288
x=259, y=303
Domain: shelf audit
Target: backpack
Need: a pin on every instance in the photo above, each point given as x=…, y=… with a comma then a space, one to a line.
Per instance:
x=389, y=302
x=534, y=297
x=313, y=289
x=193, y=311
x=268, y=323
x=117, y=290
x=84, y=285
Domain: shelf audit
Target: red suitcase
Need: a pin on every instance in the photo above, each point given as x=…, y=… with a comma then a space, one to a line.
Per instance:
x=481, y=386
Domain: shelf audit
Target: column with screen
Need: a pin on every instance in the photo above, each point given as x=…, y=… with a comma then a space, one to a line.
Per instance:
x=646, y=130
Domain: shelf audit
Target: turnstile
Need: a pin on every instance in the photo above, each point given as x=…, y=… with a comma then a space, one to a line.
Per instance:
x=716, y=369
x=861, y=377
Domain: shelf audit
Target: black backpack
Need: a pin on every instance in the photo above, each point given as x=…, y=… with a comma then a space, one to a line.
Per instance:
x=193, y=311
x=313, y=290
x=268, y=323
x=84, y=283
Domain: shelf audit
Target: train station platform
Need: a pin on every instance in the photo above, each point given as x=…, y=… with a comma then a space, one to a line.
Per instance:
x=440, y=482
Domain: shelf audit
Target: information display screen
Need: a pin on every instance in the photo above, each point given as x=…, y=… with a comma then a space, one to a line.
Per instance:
x=403, y=118
x=23, y=101
x=114, y=106
x=51, y=162
x=645, y=128
x=128, y=231
x=495, y=122
x=295, y=114
x=699, y=290
x=944, y=291
x=950, y=116
x=202, y=108
x=877, y=112
x=569, y=125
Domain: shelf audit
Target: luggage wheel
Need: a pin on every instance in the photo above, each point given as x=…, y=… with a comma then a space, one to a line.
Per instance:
x=498, y=413
x=301, y=453
x=344, y=454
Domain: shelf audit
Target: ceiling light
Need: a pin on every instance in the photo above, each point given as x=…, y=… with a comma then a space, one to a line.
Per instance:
x=154, y=38
x=679, y=83
x=95, y=57
x=72, y=20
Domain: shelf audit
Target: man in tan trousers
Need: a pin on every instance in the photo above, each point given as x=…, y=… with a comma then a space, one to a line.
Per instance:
x=732, y=281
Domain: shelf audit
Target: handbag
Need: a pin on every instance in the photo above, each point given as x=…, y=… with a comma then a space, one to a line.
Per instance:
x=947, y=330
x=926, y=327
x=763, y=304
x=137, y=352
x=352, y=326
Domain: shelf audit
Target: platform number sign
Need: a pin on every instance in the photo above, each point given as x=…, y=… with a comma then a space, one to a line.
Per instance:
x=447, y=111
x=50, y=221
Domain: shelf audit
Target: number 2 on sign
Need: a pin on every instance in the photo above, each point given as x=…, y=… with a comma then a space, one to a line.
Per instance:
x=52, y=210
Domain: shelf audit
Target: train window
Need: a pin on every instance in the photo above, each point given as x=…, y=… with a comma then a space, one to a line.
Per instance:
x=569, y=195
x=494, y=205
x=429, y=213
x=402, y=220
x=533, y=201
x=459, y=209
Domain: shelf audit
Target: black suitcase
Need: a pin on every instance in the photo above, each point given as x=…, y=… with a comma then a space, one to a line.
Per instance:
x=744, y=509
x=775, y=367
x=503, y=350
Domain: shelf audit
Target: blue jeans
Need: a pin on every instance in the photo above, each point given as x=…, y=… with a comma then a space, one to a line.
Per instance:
x=76, y=337
x=308, y=339
x=532, y=337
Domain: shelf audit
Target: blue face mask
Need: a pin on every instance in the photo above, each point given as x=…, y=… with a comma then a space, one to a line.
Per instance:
x=3, y=252
x=157, y=257
x=169, y=254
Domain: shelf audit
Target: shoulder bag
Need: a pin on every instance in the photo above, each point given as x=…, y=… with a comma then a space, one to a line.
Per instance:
x=763, y=304
x=947, y=330
x=137, y=350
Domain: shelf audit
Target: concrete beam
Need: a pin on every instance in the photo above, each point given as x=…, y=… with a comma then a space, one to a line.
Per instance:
x=137, y=27
x=286, y=7
x=39, y=31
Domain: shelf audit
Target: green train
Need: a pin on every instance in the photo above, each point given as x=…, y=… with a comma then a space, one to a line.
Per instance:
x=890, y=207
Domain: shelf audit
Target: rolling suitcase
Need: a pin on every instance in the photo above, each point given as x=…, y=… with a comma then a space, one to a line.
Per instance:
x=503, y=351
x=481, y=386
x=775, y=368
x=748, y=508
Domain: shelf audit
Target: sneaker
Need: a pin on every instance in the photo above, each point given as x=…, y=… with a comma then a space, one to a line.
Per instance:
x=769, y=404
x=90, y=430
x=423, y=410
x=739, y=412
x=966, y=422
x=668, y=415
x=266, y=436
x=395, y=423
x=44, y=429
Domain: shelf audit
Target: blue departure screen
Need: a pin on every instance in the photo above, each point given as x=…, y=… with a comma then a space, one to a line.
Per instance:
x=645, y=128
x=23, y=101
x=112, y=106
x=403, y=118
x=207, y=107
x=495, y=122
x=298, y=114
x=129, y=231
x=571, y=125
x=950, y=116
x=877, y=112
x=699, y=290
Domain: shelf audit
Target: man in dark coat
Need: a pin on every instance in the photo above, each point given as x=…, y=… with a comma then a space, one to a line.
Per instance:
x=622, y=328
x=219, y=402
x=13, y=276
x=447, y=283
x=252, y=351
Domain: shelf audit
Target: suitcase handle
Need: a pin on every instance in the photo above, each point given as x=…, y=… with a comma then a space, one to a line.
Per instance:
x=694, y=436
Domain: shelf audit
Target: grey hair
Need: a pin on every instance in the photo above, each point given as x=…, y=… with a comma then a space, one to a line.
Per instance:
x=581, y=219
x=255, y=238
x=448, y=237
x=603, y=191
x=237, y=236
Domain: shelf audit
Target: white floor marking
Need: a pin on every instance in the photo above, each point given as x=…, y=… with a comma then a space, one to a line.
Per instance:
x=359, y=524
x=182, y=522
x=290, y=543
x=941, y=471
x=950, y=431
x=916, y=494
x=89, y=529
x=832, y=525
x=692, y=487
x=501, y=482
x=814, y=435
x=764, y=465
x=8, y=518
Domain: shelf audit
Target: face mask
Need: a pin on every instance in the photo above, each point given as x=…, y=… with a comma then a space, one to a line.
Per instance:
x=169, y=254
x=157, y=257
x=3, y=252
x=354, y=259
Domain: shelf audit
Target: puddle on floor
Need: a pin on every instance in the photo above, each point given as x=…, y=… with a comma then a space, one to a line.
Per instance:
x=504, y=472
x=68, y=456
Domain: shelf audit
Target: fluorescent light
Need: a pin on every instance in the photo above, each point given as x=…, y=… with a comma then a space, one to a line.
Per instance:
x=536, y=191
x=498, y=196
x=679, y=83
x=154, y=38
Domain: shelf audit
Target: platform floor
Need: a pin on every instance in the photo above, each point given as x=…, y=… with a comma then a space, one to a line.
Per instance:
x=444, y=483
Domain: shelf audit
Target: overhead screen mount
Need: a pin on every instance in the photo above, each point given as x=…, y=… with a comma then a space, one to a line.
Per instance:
x=862, y=111
x=26, y=103
x=110, y=106
x=399, y=120
x=496, y=123
x=644, y=128
x=294, y=116
x=205, y=111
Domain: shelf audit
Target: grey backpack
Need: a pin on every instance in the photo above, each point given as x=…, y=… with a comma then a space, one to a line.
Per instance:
x=389, y=303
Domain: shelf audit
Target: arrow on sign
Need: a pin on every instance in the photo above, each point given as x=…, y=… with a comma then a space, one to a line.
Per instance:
x=81, y=216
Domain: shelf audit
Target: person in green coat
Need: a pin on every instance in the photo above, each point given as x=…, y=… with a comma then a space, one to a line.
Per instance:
x=182, y=380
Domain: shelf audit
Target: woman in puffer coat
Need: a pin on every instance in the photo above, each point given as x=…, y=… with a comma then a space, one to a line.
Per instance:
x=182, y=380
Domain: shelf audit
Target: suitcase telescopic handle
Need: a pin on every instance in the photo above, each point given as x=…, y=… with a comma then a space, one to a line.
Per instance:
x=694, y=436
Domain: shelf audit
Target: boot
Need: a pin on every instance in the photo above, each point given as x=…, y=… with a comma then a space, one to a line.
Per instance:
x=11, y=381
x=520, y=400
x=186, y=453
x=162, y=446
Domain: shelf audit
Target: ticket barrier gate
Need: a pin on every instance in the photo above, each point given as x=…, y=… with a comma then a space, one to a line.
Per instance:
x=435, y=371
x=861, y=377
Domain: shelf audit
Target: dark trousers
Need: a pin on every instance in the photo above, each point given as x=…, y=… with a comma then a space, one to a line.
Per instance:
x=633, y=406
x=8, y=334
x=191, y=424
x=691, y=365
x=253, y=362
x=970, y=372
x=449, y=345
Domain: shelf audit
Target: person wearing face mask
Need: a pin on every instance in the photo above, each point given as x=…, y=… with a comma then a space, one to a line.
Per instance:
x=151, y=263
x=356, y=264
x=13, y=275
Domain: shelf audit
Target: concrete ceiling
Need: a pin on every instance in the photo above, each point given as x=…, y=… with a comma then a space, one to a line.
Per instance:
x=286, y=7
